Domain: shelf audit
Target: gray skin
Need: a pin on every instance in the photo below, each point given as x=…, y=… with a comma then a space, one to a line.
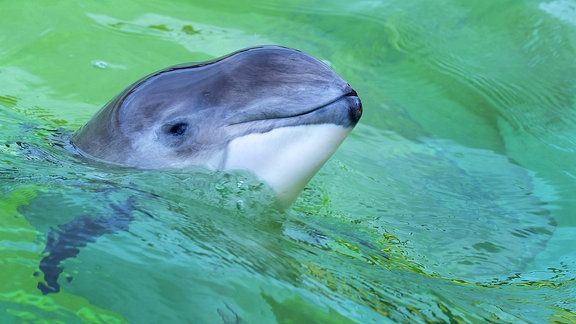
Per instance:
x=187, y=115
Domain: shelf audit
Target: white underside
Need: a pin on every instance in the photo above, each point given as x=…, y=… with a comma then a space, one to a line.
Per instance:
x=285, y=158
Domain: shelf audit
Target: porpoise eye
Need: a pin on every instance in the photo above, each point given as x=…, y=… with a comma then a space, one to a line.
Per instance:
x=178, y=129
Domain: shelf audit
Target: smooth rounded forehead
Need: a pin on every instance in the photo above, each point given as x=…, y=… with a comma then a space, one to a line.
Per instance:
x=265, y=66
x=239, y=78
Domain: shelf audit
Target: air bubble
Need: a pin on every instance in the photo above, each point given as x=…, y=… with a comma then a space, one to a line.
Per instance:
x=100, y=64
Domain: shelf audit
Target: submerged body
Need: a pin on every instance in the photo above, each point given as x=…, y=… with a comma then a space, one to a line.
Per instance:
x=274, y=111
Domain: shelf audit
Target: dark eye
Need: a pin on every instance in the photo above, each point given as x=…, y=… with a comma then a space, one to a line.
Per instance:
x=178, y=129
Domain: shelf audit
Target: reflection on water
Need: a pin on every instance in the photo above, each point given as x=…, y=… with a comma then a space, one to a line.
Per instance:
x=452, y=200
x=563, y=9
x=467, y=222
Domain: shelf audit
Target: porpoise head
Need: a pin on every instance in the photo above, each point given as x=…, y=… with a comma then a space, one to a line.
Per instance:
x=274, y=111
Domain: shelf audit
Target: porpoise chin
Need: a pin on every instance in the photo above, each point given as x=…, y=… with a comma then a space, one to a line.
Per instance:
x=274, y=111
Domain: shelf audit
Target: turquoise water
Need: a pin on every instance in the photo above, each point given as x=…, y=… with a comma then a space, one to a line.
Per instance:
x=452, y=201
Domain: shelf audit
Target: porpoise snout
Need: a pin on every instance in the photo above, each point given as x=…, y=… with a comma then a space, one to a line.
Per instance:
x=355, y=104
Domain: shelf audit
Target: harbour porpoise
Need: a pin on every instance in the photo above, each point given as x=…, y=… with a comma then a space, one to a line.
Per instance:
x=274, y=111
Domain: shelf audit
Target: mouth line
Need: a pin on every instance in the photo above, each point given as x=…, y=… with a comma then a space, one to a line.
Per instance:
x=350, y=93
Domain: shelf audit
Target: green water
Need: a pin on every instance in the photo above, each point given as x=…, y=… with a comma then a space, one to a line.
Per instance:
x=452, y=201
